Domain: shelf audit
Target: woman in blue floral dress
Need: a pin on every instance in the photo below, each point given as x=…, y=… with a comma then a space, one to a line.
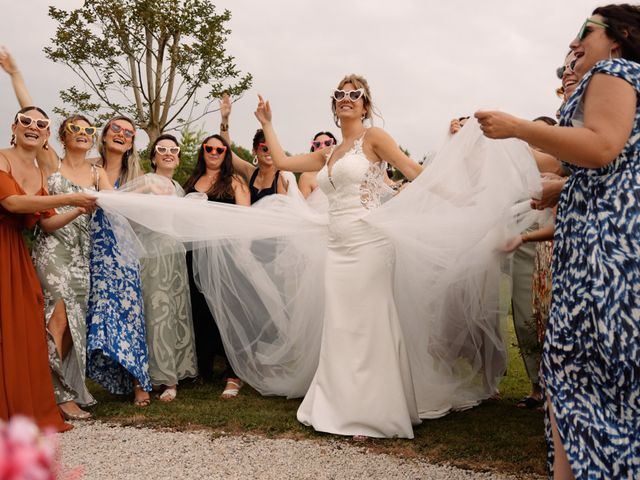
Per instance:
x=591, y=359
x=117, y=354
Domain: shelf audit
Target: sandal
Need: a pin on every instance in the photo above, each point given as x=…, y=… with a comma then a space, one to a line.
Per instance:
x=141, y=402
x=169, y=395
x=529, y=403
x=232, y=388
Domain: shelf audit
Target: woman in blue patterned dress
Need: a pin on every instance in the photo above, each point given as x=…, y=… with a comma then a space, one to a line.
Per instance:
x=117, y=355
x=591, y=359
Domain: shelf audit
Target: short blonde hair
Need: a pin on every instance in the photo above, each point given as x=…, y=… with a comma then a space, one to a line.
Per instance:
x=358, y=82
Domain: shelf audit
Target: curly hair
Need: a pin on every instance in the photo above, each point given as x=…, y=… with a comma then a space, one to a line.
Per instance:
x=623, y=26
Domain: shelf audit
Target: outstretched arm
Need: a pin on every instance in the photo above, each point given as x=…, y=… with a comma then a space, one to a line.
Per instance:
x=47, y=159
x=386, y=149
x=308, y=162
x=240, y=165
x=58, y=221
x=609, y=111
x=8, y=64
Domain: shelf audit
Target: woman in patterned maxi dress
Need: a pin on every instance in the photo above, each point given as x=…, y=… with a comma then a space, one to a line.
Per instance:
x=591, y=358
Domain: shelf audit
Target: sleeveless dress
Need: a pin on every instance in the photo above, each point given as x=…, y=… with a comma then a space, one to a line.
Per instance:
x=25, y=378
x=363, y=383
x=591, y=357
x=258, y=194
x=167, y=307
x=116, y=338
x=61, y=259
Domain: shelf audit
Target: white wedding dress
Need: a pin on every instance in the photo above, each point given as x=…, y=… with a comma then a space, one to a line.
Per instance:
x=380, y=314
x=363, y=383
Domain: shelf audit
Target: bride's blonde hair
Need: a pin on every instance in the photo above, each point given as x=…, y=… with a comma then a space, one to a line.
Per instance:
x=358, y=82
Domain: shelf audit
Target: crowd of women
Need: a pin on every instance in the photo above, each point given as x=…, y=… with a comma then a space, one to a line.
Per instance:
x=380, y=306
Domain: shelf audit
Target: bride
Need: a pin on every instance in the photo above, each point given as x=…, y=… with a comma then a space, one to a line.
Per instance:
x=363, y=384
x=383, y=310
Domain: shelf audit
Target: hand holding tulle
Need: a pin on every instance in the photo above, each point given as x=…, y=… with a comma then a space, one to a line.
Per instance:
x=496, y=124
x=82, y=200
x=512, y=244
x=263, y=112
x=551, y=188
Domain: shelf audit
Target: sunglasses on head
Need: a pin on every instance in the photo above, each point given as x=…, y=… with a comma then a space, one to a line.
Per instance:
x=127, y=132
x=75, y=128
x=212, y=149
x=164, y=150
x=352, y=95
x=263, y=147
x=584, y=30
x=317, y=145
x=26, y=121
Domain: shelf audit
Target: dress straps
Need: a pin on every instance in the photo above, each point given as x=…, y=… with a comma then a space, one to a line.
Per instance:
x=8, y=161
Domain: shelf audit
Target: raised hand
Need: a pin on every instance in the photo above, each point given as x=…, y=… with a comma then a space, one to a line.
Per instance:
x=496, y=124
x=225, y=107
x=263, y=112
x=7, y=62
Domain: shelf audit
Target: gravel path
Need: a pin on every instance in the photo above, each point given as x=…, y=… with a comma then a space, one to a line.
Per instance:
x=114, y=452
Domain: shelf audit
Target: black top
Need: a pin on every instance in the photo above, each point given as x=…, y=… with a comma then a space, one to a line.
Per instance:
x=211, y=198
x=265, y=192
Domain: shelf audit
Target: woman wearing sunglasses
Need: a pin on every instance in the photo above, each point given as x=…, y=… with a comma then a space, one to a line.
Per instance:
x=117, y=355
x=214, y=178
x=308, y=182
x=591, y=359
x=27, y=387
x=262, y=177
x=61, y=257
x=361, y=334
x=165, y=289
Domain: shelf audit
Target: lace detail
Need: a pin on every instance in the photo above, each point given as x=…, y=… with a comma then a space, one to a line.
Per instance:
x=371, y=186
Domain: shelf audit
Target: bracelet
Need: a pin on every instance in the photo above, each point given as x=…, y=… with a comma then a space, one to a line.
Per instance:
x=224, y=127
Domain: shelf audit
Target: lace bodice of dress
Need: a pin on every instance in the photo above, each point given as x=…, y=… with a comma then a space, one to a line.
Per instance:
x=355, y=183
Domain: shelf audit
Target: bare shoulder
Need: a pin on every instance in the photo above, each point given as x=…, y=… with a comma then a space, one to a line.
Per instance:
x=4, y=159
x=238, y=182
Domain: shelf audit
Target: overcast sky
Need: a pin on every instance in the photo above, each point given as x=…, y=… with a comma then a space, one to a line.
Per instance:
x=426, y=61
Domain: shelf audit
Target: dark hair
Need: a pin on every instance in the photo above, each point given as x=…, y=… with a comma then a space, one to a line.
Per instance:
x=545, y=119
x=152, y=148
x=129, y=169
x=623, y=26
x=258, y=138
x=28, y=109
x=328, y=134
x=62, y=131
x=25, y=110
x=222, y=187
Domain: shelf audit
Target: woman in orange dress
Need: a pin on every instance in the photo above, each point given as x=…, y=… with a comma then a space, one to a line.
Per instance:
x=25, y=379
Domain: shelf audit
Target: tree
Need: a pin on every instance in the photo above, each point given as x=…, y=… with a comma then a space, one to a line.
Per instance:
x=146, y=59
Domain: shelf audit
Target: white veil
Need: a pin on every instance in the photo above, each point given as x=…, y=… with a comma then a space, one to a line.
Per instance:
x=262, y=269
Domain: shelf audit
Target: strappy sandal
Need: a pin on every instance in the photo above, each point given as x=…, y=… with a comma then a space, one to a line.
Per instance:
x=169, y=395
x=232, y=388
x=141, y=402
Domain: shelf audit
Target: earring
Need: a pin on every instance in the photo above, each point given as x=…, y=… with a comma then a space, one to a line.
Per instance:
x=255, y=160
x=46, y=145
x=13, y=140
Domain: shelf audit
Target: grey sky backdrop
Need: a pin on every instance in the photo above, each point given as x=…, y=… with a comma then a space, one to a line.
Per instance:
x=426, y=61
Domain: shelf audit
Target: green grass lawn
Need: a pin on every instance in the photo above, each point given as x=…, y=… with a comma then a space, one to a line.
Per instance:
x=494, y=436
